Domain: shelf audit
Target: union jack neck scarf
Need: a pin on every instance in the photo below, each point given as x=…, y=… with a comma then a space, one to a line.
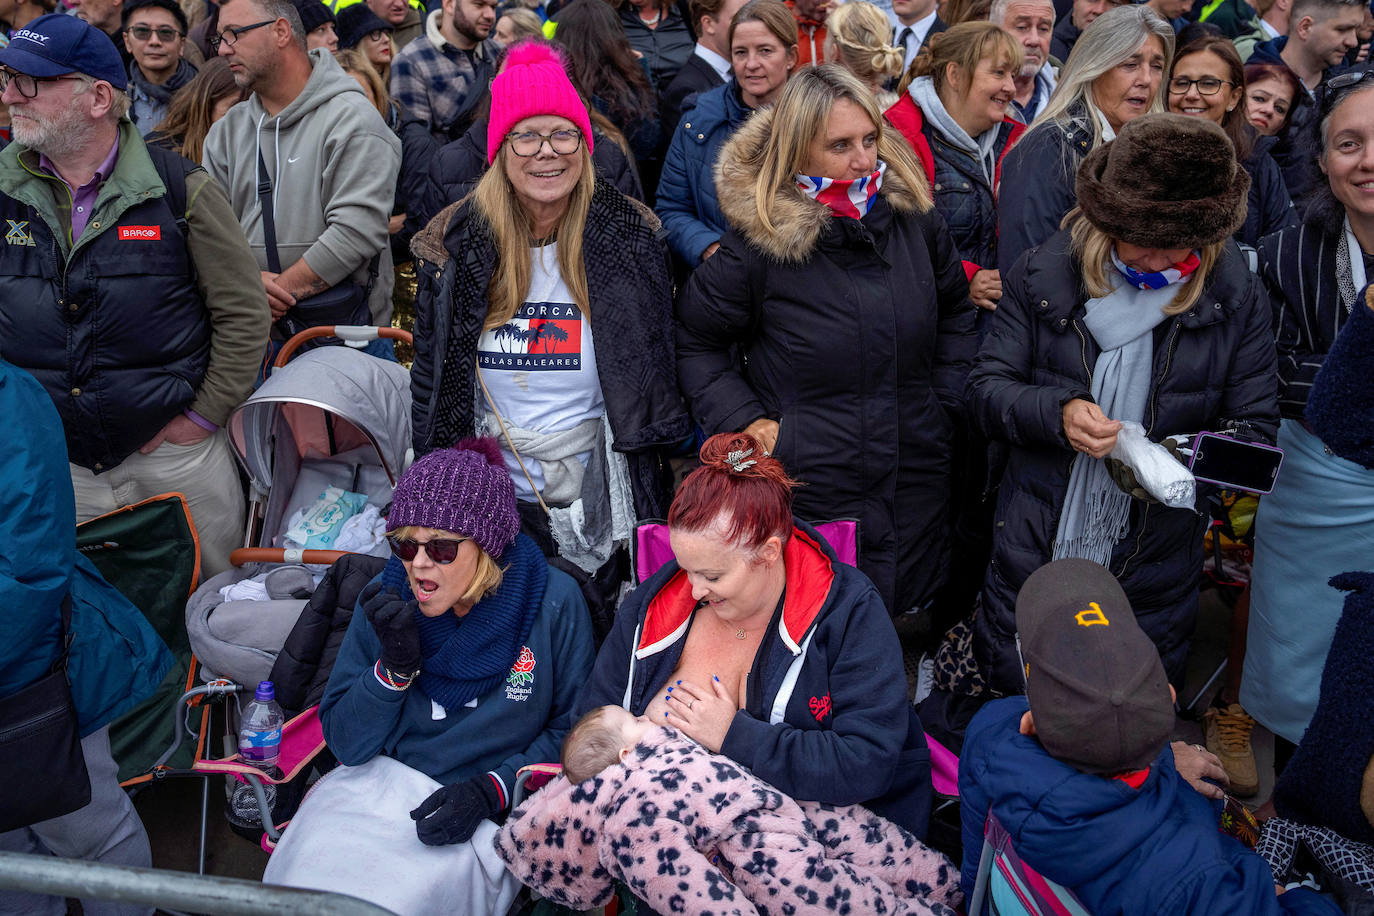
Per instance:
x=845, y=197
x=1151, y=280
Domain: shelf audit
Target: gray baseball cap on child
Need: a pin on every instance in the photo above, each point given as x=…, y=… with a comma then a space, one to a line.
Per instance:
x=1096, y=686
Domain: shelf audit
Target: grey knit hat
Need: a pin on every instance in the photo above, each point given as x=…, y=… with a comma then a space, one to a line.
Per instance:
x=465, y=489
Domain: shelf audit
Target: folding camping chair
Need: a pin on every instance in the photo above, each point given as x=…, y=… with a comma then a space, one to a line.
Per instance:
x=1012, y=887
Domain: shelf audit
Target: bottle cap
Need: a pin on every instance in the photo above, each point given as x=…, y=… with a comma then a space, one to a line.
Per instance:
x=265, y=692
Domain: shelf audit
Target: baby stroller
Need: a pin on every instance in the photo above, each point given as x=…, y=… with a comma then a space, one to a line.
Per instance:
x=323, y=442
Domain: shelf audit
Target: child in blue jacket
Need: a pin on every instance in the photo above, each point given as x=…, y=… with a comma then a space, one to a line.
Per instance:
x=1079, y=772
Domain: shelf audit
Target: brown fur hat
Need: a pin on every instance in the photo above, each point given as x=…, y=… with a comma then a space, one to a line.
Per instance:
x=1166, y=181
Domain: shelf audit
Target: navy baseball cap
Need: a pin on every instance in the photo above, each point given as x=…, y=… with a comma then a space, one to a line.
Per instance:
x=58, y=44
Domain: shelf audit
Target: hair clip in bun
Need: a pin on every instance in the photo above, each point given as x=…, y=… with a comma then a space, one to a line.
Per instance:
x=736, y=460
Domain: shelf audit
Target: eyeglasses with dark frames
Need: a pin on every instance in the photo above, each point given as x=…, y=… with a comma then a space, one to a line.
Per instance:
x=165, y=33
x=1207, y=85
x=28, y=85
x=528, y=144
x=231, y=36
x=442, y=551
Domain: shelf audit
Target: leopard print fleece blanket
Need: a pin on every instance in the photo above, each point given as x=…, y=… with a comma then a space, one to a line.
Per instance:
x=695, y=833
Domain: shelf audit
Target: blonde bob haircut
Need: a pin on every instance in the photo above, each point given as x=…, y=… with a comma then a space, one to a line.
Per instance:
x=485, y=578
x=1093, y=248
x=964, y=45
x=802, y=112
x=512, y=230
x=863, y=36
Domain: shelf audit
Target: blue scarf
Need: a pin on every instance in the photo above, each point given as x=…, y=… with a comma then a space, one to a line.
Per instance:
x=468, y=657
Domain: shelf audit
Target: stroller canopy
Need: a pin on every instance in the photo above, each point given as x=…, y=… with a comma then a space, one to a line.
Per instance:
x=310, y=394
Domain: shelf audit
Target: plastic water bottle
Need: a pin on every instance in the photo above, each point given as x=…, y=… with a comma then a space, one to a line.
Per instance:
x=260, y=733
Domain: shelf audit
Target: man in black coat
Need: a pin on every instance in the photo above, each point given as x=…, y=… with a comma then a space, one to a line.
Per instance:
x=709, y=65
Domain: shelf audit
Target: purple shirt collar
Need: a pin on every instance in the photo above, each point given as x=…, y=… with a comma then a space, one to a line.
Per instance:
x=84, y=197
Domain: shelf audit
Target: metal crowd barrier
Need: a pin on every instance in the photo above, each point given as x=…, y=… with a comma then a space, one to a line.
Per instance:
x=171, y=890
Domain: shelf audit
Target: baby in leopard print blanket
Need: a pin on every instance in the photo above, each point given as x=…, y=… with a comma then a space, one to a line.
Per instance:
x=693, y=832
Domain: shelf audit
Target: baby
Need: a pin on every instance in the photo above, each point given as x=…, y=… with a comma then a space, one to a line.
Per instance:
x=690, y=831
x=606, y=735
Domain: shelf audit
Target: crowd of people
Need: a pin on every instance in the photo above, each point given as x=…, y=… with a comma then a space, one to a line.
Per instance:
x=968, y=275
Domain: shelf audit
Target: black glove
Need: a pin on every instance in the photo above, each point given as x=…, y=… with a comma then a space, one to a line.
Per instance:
x=451, y=814
x=394, y=621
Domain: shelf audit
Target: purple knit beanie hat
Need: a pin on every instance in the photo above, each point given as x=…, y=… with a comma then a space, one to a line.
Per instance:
x=533, y=82
x=465, y=489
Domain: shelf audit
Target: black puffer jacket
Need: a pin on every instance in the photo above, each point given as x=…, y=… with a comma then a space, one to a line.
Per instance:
x=455, y=169
x=301, y=671
x=1268, y=206
x=631, y=312
x=1213, y=365
x=856, y=337
x=1038, y=176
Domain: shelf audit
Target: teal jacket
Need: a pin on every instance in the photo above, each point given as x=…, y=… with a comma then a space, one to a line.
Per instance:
x=117, y=659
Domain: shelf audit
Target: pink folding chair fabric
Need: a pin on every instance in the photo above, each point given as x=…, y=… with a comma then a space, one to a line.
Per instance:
x=652, y=550
x=301, y=739
x=944, y=769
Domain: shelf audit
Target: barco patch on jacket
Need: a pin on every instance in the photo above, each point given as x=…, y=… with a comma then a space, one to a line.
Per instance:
x=140, y=233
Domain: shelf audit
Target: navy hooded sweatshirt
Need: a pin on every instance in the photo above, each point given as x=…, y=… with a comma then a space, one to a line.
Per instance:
x=826, y=716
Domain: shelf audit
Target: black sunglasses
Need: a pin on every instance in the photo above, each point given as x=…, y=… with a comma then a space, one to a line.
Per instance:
x=165, y=33
x=441, y=550
x=1338, y=87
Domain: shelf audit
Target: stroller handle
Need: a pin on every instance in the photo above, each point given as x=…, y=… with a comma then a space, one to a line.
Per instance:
x=351, y=334
x=245, y=555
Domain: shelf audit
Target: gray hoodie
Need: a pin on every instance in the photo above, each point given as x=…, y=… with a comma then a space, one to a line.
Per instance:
x=984, y=148
x=333, y=163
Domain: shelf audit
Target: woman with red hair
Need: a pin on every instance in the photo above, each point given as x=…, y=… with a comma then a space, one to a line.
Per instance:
x=759, y=644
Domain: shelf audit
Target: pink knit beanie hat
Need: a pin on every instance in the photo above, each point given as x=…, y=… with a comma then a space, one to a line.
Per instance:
x=533, y=82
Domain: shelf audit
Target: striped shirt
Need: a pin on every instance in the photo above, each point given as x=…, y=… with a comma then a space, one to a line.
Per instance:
x=1298, y=265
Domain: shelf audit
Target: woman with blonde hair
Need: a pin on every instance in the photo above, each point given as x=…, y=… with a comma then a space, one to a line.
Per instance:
x=953, y=112
x=541, y=317
x=834, y=324
x=1142, y=310
x=1115, y=73
x=517, y=23
x=199, y=104
x=859, y=37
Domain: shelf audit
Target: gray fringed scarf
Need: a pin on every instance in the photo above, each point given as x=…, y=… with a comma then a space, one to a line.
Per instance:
x=1096, y=512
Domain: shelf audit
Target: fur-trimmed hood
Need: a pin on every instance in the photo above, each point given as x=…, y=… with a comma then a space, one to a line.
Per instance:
x=798, y=221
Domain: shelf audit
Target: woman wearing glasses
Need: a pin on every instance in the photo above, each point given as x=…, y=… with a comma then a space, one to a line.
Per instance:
x=1318, y=520
x=155, y=34
x=544, y=317
x=1208, y=81
x=460, y=666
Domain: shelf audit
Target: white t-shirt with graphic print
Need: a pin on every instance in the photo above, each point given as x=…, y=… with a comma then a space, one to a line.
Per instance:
x=540, y=366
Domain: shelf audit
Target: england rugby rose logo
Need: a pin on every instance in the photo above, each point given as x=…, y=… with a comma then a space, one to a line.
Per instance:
x=522, y=671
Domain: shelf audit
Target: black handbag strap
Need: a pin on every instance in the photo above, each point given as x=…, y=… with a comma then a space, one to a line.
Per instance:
x=269, y=226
